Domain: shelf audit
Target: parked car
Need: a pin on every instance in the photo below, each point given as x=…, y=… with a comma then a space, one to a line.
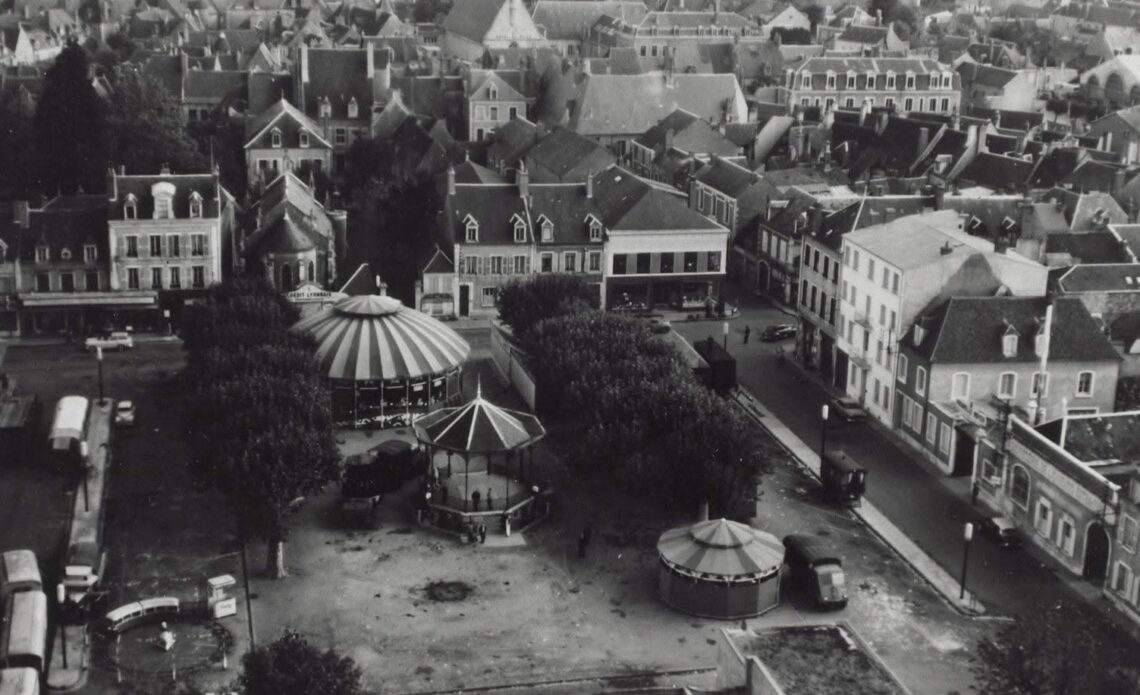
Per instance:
x=848, y=408
x=779, y=331
x=117, y=340
x=659, y=325
x=1002, y=530
x=125, y=413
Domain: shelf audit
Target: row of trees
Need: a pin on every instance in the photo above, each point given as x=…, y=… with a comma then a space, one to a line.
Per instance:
x=261, y=427
x=635, y=412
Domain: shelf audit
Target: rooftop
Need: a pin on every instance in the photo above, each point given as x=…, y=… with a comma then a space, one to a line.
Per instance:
x=915, y=241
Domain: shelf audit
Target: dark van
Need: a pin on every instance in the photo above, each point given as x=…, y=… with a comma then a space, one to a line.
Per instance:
x=818, y=570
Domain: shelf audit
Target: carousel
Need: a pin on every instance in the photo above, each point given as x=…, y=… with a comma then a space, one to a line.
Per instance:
x=720, y=569
x=495, y=447
x=386, y=363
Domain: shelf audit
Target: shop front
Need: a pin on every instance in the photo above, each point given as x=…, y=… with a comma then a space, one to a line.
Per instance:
x=691, y=293
x=89, y=312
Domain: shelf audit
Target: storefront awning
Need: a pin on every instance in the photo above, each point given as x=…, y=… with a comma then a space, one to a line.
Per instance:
x=132, y=299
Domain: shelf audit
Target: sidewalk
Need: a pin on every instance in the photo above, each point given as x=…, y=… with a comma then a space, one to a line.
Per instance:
x=938, y=578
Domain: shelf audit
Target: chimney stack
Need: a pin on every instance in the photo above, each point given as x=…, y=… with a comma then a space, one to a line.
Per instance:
x=923, y=140
x=450, y=181
x=522, y=177
x=589, y=185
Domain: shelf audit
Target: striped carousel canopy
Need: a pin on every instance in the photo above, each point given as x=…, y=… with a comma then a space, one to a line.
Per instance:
x=479, y=427
x=374, y=338
x=721, y=549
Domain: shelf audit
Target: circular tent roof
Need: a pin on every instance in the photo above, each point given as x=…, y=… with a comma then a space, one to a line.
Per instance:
x=374, y=338
x=479, y=427
x=721, y=549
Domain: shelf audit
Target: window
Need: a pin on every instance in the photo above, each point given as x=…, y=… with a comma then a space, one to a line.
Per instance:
x=520, y=232
x=908, y=104
x=895, y=283
x=570, y=262
x=303, y=136
x=1009, y=344
x=989, y=470
x=826, y=263
x=155, y=245
x=909, y=81
x=340, y=136
x=643, y=262
x=1129, y=531
x=906, y=410
x=174, y=246
x=944, y=442
x=67, y=282
x=472, y=265
x=1066, y=534
x=175, y=278
x=43, y=254
x=492, y=92
x=353, y=108
x=325, y=108
x=275, y=138
x=156, y=278
x=714, y=261
x=547, y=231
x=667, y=263
x=91, y=281
x=488, y=298
x=960, y=386
x=595, y=230
x=131, y=208
x=90, y=253
x=162, y=209
x=513, y=112
x=1040, y=385
x=805, y=80
x=883, y=315
x=547, y=262
x=132, y=247
x=1085, y=384
x=886, y=278
x=870, y=268
x=619, y=264
x=931, y=429
x=132, y=278
x=195, y=205
x=1043, y=517
x=890, y=80
x=1019, y=487
x=595, y=262
x=1122, y=579
x=920, y=381
x=521, y=265
x=494, y=113
x=1007, y=385
x=496, y=265
x=472, y=230
x=197, y=244
x=43, y=282
x=690, y=262
x=902, y=369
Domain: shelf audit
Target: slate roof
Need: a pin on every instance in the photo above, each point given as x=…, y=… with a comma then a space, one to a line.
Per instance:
x=629, y=204
x=914, y=241
x=511, y=140
x=1009, y=119
x=439, y=263
x=896, y=149
x=1103, y=277
x=969, y=330
x=470, y=172
x=1092, y=175
x=561, y=150
x=472, y=18
x=1130, y=235
x=266, y=88
x=570, y=20
x=858, y=33
x=289, y=120
x=340, y=75
x=496, y=207
x=292, y=220
x=727, y=177
x=997, y=171
x=213, y=85
x=71, y=222
x=690, y=134
x=205, y=185
x=1089, y=247
x=986, y=75
x=631, y=104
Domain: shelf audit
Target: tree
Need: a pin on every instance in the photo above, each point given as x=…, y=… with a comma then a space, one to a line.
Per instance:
x=147, y=130
x=292, y=666
x=260, y=411
x=796, y=36
x=1064, y=650
x=523, y=303
x=815, y=15
x=17, y=156
x=1127, y=393
x=70, y=127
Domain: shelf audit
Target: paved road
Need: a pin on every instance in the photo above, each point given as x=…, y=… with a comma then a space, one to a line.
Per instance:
x=921, y=502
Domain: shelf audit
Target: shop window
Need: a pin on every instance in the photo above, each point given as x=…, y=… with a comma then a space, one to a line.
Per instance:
x=1019, y=487
x=1043, y=517
x=666, y=263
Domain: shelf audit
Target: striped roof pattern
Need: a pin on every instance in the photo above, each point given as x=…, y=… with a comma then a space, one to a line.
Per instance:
x=721, y=548
x=479, y=427
x=374, y=338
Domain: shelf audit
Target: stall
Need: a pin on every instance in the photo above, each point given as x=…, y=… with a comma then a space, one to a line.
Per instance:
x=386, y=363
x=720, y=569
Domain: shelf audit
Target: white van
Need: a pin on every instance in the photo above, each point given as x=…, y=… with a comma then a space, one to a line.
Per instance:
x=84, y=569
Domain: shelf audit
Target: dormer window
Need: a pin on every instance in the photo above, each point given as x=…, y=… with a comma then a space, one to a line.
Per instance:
x=472, y=228
x=131, y=207
x=547, y=230
x=325, y=108
x=195, y=204
x=910, y=80
x=871, y=76
x=65, y=254
x=595, y=230
x=1009, y=342
x=520, y=230
x=492, y=93
x=43, y=254
x=275, y=137
x=352, y=108
x=831, y=80
x=805, y=80
x=850, y=80
x=303, y=137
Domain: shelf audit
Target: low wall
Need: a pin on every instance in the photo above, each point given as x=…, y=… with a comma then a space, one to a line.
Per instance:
x=509, y=361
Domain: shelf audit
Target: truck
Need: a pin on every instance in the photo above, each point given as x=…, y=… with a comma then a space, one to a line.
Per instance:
x=368, y=476
x=816, y=569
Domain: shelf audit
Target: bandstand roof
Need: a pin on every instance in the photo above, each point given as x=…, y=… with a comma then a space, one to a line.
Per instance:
x=721, y=549
x=479, y=427
x=373, y=338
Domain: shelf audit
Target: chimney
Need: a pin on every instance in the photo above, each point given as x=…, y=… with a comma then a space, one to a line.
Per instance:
x=522, y=178
x=939, y=197
x=304, y=64
x=956, y=122
x=946, y=249
x=884, y=118
x=815, y=218
x=450, y=181
x=589, y=185
x=878, y=18
x=703, y=509
x=864, y=112
x=371, y=62
x=923, y=140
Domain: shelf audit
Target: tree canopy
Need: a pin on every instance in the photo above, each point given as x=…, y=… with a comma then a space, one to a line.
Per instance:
x=70, y=127
x=147, y=129
x=260, y=412
x=523, y=303
x=292, y=666
x=1065, y=650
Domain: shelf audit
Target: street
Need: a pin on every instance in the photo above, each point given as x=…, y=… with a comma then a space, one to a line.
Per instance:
x=921, y=502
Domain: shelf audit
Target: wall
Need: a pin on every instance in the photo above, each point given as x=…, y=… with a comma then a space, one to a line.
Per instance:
x=508, y=359
x=1062, y=383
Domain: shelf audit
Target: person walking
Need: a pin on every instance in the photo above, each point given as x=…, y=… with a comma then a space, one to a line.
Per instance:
x=490, y=502
x=747, y=332
x=475, y=496
x=482, y=533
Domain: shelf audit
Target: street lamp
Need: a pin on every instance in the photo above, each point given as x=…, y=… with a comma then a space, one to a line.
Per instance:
x=724, y=332
x=99, y=357
x=85, y=462
x=823, y=413
x=60, y=597
x=967, y=536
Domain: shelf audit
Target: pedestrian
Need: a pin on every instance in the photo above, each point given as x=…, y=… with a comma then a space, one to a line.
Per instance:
x=747, y=332
x=974, y=494
x=482, y=533
x=490, y=502
x=475, y=499
x=165, y=639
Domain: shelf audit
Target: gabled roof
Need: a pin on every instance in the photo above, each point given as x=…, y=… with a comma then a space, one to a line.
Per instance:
x=185, y=185
x=439, y=263
x=283, y=114
x=858, y=33
x=726, y=177
x=1102, y=277
x=969, y=330
x=570, y=20
x=997, y=171
x=472, y=19
x=511, y=140
x=1089, y=247
x=562, y=150
x=631, y=104
x=627, y=203
x=690, y=134
x=291, y=219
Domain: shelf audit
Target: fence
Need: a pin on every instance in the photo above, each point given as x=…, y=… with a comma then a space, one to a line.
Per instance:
x=509, y=361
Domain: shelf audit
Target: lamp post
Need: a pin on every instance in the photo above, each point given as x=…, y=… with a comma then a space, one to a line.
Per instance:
x=99, y=359
x=61, y=596
x=724, y=332
x=967, y=536
x=824, y=411
x=85, y=462
x=245, y=585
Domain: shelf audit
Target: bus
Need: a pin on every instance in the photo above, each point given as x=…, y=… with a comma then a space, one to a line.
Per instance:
x=23, y=639
x=19, y=572
x=19, y=681
x=68, y=428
